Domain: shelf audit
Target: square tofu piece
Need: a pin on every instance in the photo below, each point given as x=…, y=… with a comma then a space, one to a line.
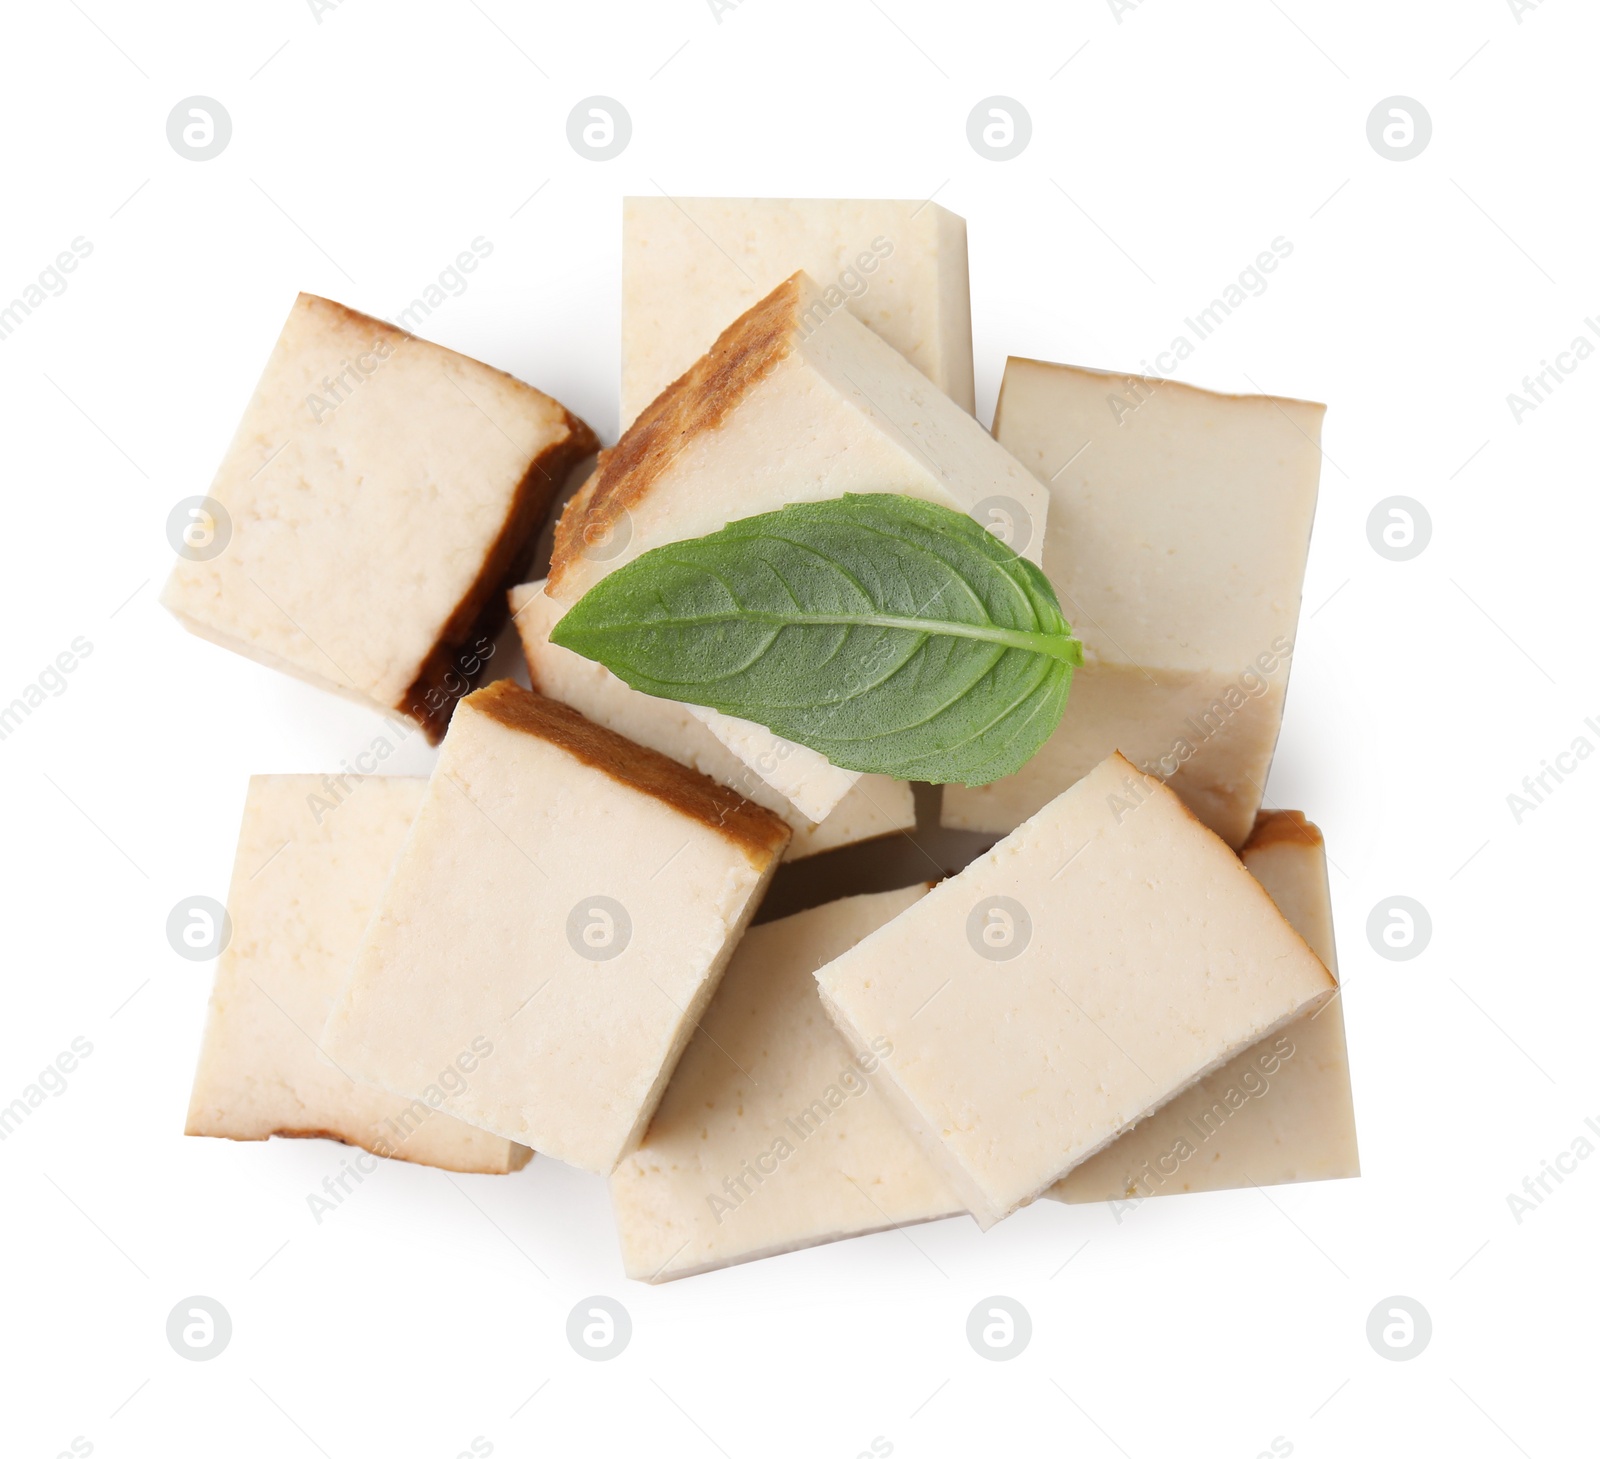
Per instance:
x=567, y=898
x=689, y=265
x=876, y=805
x=797, y=401
x=1177, y=537
x=770, y=1137
x=379, y=497
x=306, y=880
x=1279, y=1112
x=1100, y=959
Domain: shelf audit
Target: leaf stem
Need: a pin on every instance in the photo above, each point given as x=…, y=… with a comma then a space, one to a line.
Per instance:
x=1060, y=646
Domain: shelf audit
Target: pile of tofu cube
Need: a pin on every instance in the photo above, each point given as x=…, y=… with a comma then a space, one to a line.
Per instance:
x=547, y=945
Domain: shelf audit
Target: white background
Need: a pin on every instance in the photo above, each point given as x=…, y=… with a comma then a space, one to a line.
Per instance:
x=1170, y=146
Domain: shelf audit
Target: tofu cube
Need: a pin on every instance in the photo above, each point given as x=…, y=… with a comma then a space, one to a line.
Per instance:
x=1096, y=962
x=770, y=1137
x=1279, y=1112
x=310, y=867
x=875, y=806
x=797, y=401
x=1177, y=538
x=566, y=901
x=381, y=495
x=689, y=265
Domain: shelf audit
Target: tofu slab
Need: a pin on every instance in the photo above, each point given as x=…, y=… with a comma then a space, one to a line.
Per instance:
x=770, y=1137
x=1177, y=537
x=1096, y=962
x=689, y=265
x=796, y=401
x=1279, y=1112
x=876, y=805
x=311, y=863
x=382, y=493
x=572, y=898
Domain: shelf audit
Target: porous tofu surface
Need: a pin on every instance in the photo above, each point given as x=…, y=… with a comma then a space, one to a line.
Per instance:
x=1096, y=962
x=690, y=265
x=569, y=897
x=770, y=1136
x=381, y=494
x=1279, y=1112
x=312, y=859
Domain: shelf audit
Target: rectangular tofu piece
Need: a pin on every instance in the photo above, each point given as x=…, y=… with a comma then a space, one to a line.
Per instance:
x=1100, y=959
x=689, y=265
x=1177, y=537
x=570, y=898
x=770, y=1137
x=310, y=867
x=379, y=497
x=795, y=402
x=876, y=805
x=1279, y=1112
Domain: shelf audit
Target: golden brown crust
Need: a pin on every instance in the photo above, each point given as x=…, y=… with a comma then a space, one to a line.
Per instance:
x=1274, y=828
x=761, y=835
x=459, y=658
x=695, y=403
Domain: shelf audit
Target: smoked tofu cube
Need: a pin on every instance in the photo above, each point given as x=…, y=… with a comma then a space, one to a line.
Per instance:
x=568, y=898
x=689, y=265
x=875, y=806
x=770, y=1137
x=1279, y=1112
x=380, y=496
x=797, y=401
x=313, y=856
x=1098, y=961
x=1177, y=538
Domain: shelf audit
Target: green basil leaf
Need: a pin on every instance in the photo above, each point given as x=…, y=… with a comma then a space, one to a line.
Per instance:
x=889, y=634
